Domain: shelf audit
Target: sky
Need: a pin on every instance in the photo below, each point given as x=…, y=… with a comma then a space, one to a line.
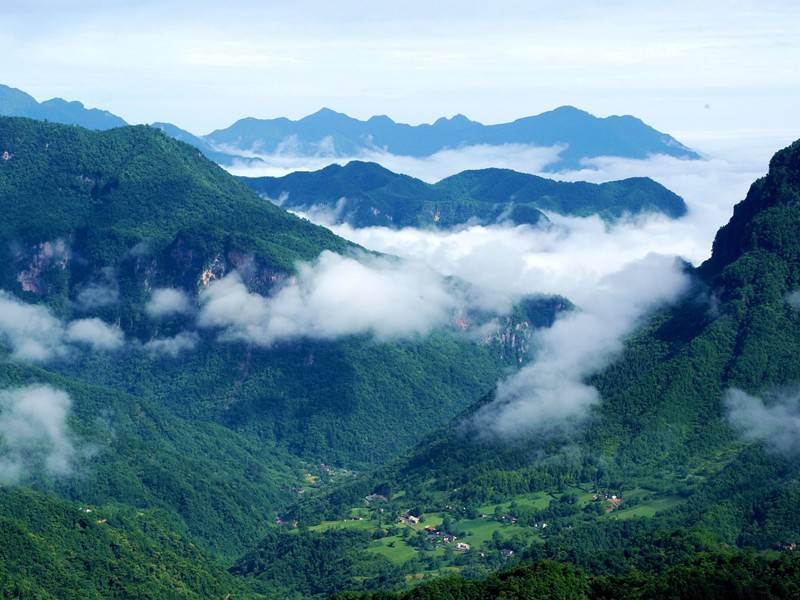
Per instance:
x=697, y=70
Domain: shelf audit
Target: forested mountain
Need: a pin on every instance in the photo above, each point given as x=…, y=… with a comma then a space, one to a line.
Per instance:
x=328, y=132
x=221, y=158
x=16, y=103
x=692, y=449
x=366, y=194
x=207, y=437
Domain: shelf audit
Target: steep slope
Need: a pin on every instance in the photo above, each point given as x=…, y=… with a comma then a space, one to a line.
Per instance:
x=328, y=132
x=365, y=194
x=657, y=473
x=220, y=434
x=55, y=549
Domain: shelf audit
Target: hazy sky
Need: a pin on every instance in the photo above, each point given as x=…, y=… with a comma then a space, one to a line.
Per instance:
x=695, y=69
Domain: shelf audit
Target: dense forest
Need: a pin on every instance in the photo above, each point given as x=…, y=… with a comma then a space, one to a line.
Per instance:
x=352, y=465
x=366, y=194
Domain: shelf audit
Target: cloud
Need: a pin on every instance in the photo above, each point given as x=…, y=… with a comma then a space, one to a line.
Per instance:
x=31, y=331
x=168, y=301
x=33, y=433
x=173, y=346
x=776, y=423
x=793, y=299
x=332, y=297
x=520, y=157
x=552, y=390
x=95, y=333
x=97, y=295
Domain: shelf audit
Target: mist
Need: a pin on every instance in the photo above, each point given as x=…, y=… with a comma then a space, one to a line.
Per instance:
x=551, y=391
x=332, y=297
x=774, y=422
x=34, y=436
x=34, y=334
x=616, y=273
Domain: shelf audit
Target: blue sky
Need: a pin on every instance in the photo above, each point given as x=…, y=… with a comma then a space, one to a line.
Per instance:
x=695, y=69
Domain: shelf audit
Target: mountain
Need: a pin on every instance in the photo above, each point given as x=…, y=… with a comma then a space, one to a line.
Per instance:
x=690, y=456
x=209, y=438
x=328, y=132
x=365, y=194
x=16, y=103
x=221, y=158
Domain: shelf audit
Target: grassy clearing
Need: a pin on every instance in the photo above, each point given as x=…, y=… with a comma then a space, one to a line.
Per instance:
x=647, y=509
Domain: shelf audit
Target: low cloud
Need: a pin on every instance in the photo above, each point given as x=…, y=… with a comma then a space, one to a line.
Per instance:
x=166, y=302
x=431, y=168
x=34, y=436
x=173, y=346
x=551, y=391
x=793, y=299
x=776, y=423
x=95, y=333
x=33, y=334
x=97, y=295
x=332, y=297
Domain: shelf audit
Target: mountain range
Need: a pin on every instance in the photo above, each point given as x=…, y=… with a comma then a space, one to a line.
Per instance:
x=366, y=194
x=149, y=450
x=327, y=133
x=660, y=482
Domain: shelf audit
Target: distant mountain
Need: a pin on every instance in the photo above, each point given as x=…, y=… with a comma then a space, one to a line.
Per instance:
x=221, y=158
x=16, y=103
x=331, y=133
x=366, y=194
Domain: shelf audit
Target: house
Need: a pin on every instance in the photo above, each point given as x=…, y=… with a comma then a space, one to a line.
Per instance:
x=375, y=498
x=462, y=546
x=507, y=552
x=412, y=519
x=788, y=546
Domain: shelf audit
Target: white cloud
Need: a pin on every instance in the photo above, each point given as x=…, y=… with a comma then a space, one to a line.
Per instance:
x=30, y=330
x=95, y=333
x=34, y=433
x=520, y=157
x=793, y=299
x=173, y=346
x=168, y=301
x=552, y=389
x=97, y=295
x=332, y=297
x=776, y=423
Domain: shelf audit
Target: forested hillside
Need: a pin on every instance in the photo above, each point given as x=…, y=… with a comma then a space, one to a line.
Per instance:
x=664, y=468
x=366, y=194
x=110, y=239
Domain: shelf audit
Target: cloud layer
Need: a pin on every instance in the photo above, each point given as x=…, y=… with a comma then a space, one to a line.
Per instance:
x=332, y=297
x=33, y=433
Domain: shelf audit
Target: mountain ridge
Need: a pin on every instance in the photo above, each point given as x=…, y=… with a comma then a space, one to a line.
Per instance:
x=366, y=194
